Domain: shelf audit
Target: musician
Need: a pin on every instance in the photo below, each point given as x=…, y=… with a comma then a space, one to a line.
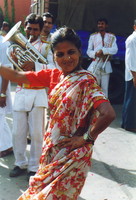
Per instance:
x=101, y=46
x=48, y=20
x=29, y=106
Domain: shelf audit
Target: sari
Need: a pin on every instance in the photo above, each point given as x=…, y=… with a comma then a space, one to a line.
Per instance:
x=62, y=172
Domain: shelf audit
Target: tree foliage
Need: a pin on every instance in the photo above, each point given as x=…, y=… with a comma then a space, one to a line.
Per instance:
x=6, y=17
x=1, y=16
x=4, y=14
x=12, y=12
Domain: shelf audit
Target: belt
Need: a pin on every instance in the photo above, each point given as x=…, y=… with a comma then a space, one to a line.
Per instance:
x=34, y=88
x=26, y=86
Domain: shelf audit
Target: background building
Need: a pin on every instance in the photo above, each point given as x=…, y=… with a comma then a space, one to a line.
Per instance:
x=14, y=10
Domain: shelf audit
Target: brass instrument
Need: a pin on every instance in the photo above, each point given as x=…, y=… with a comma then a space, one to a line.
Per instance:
x=102, y=60
x=97, y=65
x=23, y=50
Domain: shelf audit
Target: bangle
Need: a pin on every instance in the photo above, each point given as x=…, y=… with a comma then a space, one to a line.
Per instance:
x=2, y=95
x=88, y=138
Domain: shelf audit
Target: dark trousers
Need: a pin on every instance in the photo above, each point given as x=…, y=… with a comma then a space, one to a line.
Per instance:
x=129, y=106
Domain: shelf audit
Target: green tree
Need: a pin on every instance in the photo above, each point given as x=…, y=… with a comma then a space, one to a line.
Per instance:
x=6, y=17
x=12, y=12
x=1, y=16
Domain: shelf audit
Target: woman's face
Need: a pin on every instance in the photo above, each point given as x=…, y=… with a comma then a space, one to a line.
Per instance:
x=67, y=56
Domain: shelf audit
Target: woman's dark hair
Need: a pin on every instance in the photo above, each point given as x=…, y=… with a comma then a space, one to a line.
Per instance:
x=65, y=34
x=34, y=19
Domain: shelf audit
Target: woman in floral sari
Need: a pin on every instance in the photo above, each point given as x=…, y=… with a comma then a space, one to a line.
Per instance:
x=79, y=112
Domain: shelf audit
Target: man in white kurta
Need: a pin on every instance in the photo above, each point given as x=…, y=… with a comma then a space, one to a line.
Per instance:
x=5, y=105
x=29, y=107
x=101, y=46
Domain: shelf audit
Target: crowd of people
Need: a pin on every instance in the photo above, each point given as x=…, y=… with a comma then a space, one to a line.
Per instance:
x=71, y=101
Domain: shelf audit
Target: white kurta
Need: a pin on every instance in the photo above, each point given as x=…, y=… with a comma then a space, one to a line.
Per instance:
x=5, y=132
x=29, y=106
x=109, y=47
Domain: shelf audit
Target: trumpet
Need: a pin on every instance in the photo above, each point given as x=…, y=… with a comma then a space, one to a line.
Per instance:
x=24, y=51
x=100, y=65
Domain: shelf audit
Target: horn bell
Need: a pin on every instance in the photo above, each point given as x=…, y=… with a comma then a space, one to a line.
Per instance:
x=14, y=36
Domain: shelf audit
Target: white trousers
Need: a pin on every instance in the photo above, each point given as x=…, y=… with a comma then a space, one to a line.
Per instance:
x=23, y=123
x=5, y=132
x=103, y=81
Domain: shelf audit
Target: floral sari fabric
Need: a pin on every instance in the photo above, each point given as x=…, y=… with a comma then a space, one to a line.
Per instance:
x=62, y=172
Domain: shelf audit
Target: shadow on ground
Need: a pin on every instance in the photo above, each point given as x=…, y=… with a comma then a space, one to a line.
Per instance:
x=120, y=175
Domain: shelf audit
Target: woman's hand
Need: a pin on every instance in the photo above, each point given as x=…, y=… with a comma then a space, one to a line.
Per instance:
x=72, y=142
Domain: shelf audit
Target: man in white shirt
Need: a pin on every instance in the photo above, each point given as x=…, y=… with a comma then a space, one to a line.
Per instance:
x=129, y=107
x=101, y=46
x=5, y=105
x=29, y=106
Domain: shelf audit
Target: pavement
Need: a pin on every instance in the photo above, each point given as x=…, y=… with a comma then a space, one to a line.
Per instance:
x=112, y=175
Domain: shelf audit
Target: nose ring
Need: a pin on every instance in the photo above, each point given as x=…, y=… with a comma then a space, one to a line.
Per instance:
x=69, y=57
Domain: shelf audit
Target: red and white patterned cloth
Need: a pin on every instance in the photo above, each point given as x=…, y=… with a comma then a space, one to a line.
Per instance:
x=62, y=172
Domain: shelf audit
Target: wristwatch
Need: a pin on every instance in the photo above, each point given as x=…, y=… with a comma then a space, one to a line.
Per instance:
x=2, y=95
x=88, y=139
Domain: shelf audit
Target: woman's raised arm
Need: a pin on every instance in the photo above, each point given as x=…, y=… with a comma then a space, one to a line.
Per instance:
x=12, y=75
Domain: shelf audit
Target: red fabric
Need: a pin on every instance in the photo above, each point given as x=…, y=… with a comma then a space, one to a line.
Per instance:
x=97, y=103
x=50, y=78
x=46, y=77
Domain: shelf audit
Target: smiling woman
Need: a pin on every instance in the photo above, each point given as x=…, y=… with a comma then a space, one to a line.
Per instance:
x=67, y=51
x=67, y=56
x=79, y=112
